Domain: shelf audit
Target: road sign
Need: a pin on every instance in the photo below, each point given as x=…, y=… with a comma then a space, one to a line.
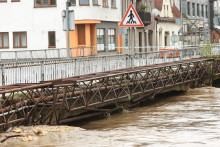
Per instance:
x=174, y=38
x=131, y=18
x=71, y=21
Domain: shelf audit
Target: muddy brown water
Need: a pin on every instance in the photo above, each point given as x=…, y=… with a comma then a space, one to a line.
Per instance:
x=189, y=119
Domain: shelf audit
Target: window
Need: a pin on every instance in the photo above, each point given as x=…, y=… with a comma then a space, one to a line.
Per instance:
x=113, y=3
x=193, y=9
x=188, y=8
x=150, y=5
x=164, y=11
x=3, y=1
x=20, y=39
x=45, y=3
x=83, y=2
x=111, y=39
x=202, y=10
x=4, y=40
x=105, y=3
x=73, y=2
x=206, y=11
x=100, y=39
x=52, y=39
x=15, y=0
x=198, y=10
x=81, y=34
x=95, y=2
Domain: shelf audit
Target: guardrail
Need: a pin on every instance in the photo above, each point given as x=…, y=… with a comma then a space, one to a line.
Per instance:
x=18, y=55
x=36, y=71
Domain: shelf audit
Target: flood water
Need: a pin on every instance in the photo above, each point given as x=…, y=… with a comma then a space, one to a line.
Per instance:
x=189, y=119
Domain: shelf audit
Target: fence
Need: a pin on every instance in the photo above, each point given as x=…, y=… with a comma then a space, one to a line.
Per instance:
x=36, y=71
x=44, y=54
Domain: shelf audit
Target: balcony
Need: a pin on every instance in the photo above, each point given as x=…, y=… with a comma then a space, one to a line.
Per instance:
x=145, y=17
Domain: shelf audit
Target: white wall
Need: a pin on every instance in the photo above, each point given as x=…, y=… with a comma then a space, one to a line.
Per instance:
x=22, y=16
x=166, y=12
x=167, y=27
x=98, y=12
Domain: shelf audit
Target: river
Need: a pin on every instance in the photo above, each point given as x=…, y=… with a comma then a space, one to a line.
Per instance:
x=188, y=119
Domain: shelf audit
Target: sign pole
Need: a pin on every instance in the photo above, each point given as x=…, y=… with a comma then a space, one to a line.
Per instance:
x=130, y=42
x=132, y=47
x=68, y=36
x=131, y=20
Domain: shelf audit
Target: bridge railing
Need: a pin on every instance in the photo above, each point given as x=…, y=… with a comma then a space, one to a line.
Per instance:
x=36, y=71
x=58, y=53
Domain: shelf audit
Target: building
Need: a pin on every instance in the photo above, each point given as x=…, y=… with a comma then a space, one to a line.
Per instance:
x=38, y=24
x=144, y=36
x=97, y=24
x=166, y=25
x=215, y=35
x=217, y=13
x=196, y=26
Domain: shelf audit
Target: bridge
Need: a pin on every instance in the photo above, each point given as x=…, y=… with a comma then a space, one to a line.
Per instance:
x=64, y=100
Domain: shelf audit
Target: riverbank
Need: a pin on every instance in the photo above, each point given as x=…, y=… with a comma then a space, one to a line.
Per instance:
x=31, y=133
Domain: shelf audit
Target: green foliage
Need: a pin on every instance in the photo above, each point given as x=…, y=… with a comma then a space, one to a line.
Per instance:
x=144, y=8
x=119, y=107
x=185, y=16
x=129, y=97
x=210, y=51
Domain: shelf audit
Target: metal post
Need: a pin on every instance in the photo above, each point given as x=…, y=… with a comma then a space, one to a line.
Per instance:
x=42, y=71
x=58, y=53
x=31, y=52
x=3, y=74
x=131, y=46
x=68, y=28
x=45, y=54
x=82, y=51
x=92, y=51
x=16, y=56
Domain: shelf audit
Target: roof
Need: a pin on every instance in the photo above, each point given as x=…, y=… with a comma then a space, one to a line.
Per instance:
x=158, y=4
x=216, y=29
x=176, y=12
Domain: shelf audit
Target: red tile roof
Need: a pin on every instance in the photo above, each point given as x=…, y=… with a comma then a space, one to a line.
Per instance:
x=176, y=12
x=158, y=4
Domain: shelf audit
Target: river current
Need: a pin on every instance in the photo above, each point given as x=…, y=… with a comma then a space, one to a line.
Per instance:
x=188, y=119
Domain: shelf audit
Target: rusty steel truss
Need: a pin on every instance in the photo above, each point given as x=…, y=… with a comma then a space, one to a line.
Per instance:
x=62, y=100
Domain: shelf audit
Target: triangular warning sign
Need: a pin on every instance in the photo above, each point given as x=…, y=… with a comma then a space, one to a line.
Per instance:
x=131, y=18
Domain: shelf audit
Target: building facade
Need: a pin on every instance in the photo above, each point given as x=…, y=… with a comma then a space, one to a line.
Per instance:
x=166, y=25
x=196, y=13
x=38, y=24
x=145, y=37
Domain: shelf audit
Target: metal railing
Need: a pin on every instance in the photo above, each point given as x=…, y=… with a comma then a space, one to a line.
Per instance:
x=36, y=71
x=17, y=55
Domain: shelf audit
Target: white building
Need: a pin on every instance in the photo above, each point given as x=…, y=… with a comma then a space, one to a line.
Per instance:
x=166, y=26
x=37, y=24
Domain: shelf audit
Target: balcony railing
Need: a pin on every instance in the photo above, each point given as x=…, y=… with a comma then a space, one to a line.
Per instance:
x=145, y=17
